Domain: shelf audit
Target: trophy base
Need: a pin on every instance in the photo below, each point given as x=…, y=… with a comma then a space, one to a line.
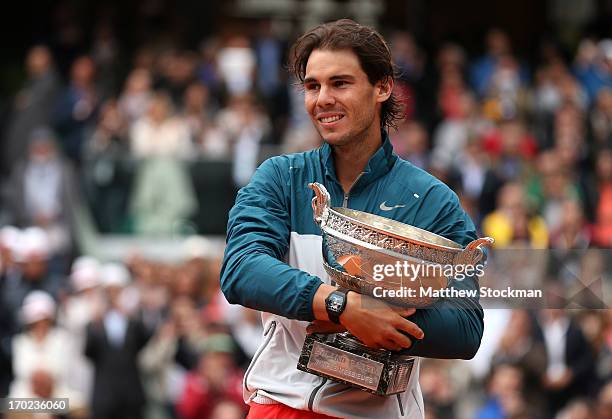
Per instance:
x=343, y=358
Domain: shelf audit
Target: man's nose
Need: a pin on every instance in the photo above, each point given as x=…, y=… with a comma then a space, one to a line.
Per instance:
x=325, y=98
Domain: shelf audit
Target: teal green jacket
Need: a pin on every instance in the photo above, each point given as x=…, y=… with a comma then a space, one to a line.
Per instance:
x=274, y=247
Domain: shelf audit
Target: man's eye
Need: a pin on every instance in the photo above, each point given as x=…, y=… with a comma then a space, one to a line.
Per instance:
x=340, y=83
x=311, y=87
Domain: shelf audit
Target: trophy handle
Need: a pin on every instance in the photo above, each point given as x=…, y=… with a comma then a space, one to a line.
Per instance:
x=320, y=203
x=478, y=243
x=474, y=251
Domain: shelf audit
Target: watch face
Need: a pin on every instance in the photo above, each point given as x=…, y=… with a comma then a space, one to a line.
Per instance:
x=335, y=302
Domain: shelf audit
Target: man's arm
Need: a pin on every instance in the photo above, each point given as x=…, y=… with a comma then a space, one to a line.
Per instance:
x=453, y=326
x=252, y=273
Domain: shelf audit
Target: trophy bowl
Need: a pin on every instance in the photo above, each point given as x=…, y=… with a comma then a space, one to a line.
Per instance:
x=386, y=259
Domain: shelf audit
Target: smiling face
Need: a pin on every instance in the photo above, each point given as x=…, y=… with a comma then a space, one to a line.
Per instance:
x=342, y=103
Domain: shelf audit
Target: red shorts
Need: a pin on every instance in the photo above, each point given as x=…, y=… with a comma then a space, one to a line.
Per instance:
x=280, y=411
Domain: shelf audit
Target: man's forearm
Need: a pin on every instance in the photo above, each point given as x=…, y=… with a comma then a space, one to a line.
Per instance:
x=261, y=282
x=453, y=327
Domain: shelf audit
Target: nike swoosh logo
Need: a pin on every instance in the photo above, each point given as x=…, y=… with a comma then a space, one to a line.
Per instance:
x=384, y=206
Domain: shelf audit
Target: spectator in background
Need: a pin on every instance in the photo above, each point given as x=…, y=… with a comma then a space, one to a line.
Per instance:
x=107, y=172
x=31, y=106
x=170, y=354
x=136, y=96
x=511, y=223
x=577, y=409
x=246, y=126
x=604, y=402
x=156, y=362
x=552, y=184
x=159, y=133
x=593, y=66
x=606, y=358
x=105, y=52
x=519, y=348
x=477, y=182
x=483, y=71
x=31, y=253
x=271, y=80
x=236, y=64
x=411, y=142
x=245, y=325
x=570, y=363
x=415, y=81
x=438, y=391
x=573, y=231
x=510, y=147
x=269, y=51
x=547, y=90
x=603, y=217
x=8, y=318
x=77, y=310
x=505, y=94
x=555, y=87
x=570, y=143
x=77, y=108
x=461, y=122
x=569, y=243
x=216, y=378
x=207, y=70
x=163, y=198
x=42, y=191
x=40, y=361
x=451, y=83
x=228, y=409
x=114, y=339
x=197, y=111
x=451, y=69
x=176, y=71
x=593, y=324
x=505, y=395
x=600, y=120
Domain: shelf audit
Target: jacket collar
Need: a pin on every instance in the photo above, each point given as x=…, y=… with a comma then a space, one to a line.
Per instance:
x=379, y=164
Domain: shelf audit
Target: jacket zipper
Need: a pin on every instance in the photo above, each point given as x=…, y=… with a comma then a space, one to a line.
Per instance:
x=346, y=195
x=268, y=334
x=399, y=402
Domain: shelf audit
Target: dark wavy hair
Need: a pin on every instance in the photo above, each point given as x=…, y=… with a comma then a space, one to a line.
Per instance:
x=371, y=49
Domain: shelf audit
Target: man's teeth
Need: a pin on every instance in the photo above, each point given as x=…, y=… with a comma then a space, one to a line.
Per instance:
x=331, y=118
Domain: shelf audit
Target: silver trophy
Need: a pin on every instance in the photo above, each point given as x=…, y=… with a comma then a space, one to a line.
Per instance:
x=356, y=245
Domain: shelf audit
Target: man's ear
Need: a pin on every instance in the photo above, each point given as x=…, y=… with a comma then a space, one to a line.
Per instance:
x=384, y=88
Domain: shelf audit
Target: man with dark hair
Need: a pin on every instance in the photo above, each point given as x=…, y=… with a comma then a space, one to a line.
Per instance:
x=273, y=259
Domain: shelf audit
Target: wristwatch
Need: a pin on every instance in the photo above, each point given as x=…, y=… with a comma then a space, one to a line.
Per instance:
x=335, y=303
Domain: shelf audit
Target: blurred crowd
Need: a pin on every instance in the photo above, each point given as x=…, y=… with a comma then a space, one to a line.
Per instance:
x=138, y=339
x=527, y=147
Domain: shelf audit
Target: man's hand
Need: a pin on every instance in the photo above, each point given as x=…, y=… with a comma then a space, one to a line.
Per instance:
x=377, y=324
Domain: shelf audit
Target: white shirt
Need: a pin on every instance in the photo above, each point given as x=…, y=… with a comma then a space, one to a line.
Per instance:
x=115, y=326
x=555, y=332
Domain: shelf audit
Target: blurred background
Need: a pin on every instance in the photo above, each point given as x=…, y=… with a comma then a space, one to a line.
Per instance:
x=127, y=127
